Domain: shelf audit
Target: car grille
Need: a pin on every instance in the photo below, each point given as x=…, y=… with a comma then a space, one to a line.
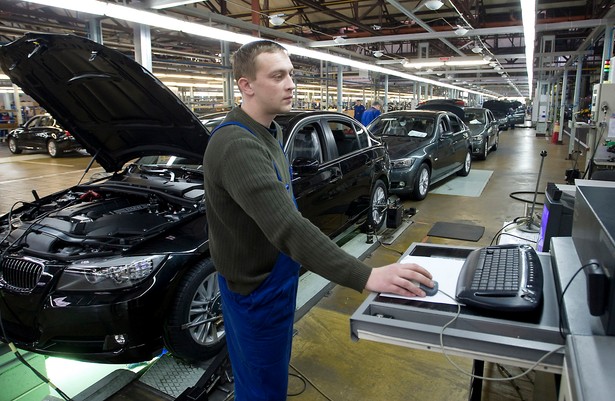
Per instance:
x=20, y=274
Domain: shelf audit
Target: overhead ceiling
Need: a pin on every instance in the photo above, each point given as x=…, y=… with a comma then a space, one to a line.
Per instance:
x=396, y=31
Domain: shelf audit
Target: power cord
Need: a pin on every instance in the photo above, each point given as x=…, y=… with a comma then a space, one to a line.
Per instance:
x=472, y=375
x=303, y=381
x=304, y=377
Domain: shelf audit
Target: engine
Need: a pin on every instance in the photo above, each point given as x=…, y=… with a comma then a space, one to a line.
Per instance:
x=96, y=220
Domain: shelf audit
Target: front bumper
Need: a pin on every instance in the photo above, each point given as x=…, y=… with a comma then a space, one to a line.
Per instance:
x=98, y=327
x=402, y=181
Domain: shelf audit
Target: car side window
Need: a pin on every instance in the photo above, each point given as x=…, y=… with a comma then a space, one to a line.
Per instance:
x=33, y=122
x=444, y=126
x=46, y=122
x=306, y=143
x=347, y=137
x=455, y=124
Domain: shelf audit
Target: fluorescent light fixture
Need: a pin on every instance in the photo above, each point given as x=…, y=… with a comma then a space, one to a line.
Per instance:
x=159, y=5
x=460, y=31
x=277, y=19
x=423, y=64
x=445, y=61
x=124, y=13
x=460, y=62
x=528, y=13
x=433, y=4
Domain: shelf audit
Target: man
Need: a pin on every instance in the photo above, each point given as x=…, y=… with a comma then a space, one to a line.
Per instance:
x=372, y=113
x=258, y=238
x=359, y=109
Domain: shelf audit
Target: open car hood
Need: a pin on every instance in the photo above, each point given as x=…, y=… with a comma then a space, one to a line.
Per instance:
x=114, y=106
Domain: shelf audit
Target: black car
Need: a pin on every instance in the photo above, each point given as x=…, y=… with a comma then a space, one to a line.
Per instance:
x=117, y=268
x=484, y=130
x=503, y=111
x=42, y=132
x=425, y=147
x=327, y=150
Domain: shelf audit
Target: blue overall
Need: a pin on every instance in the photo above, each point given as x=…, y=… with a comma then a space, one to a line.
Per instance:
x=259, y=328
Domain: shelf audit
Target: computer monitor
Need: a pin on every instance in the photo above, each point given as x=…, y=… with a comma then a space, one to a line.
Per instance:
x=557, y=215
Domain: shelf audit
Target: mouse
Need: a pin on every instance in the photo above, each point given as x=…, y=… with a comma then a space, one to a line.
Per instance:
x=429, y=291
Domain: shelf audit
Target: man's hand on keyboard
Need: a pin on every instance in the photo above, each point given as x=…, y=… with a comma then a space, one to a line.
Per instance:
x=397, y=278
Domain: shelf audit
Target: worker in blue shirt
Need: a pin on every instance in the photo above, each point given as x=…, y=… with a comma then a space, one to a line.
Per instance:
x=359, y=109
x=371, y=113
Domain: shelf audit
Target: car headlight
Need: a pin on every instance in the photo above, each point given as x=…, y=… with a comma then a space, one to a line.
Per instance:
x=108, y=274
x=477, y=137
x=401, y=163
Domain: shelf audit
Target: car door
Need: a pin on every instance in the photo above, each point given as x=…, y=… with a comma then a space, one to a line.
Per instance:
x=30, y=131
x=443, y=157
x=492, y=128
x=459, y=141
x=356, y=159
x=316, y=173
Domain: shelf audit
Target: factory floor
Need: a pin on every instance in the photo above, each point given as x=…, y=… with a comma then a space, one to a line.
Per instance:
x=326, y=364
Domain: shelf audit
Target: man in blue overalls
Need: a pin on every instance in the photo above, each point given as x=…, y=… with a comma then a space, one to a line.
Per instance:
x=257, y=237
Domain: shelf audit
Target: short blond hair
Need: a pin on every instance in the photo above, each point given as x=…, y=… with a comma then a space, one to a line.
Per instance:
x=243, y=60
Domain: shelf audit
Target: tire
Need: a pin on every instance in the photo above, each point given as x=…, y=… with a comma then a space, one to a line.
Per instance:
x=378, y=203
x=421, y=185
x=485, y=152
x=198, y=306
x=467, y=165
x=52, y=148
x=13, y=147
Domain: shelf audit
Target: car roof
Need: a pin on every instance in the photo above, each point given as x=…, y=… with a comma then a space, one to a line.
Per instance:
x=451, y=108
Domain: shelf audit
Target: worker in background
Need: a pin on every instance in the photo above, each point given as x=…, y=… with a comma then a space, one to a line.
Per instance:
x=359, y=109
x=258, y=238
x=373, y=112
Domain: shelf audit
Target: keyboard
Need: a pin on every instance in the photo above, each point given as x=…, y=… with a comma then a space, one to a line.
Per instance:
x=506, y=278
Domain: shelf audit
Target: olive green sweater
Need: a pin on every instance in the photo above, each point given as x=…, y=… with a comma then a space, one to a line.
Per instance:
x=252, y=217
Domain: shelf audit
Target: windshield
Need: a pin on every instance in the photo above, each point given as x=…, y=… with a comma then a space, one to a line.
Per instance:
x=474, y=118
x=403, y=126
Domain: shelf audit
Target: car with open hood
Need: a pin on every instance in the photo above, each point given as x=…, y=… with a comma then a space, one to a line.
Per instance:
x=425, y=146
x=114, y=269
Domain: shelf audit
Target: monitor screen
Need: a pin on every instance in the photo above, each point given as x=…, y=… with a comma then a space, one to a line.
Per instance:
x=544, y=220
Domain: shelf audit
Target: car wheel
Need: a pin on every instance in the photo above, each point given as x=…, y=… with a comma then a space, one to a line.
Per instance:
x=13, y=147
x=421, y=185
x=378, y=205
x=485, y=152
x=467, y=165
x=194, y=329
x=52, y=148
x=496, y=142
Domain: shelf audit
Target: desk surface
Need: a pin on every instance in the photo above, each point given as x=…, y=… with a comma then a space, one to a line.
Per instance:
x=417, y=324
x=591, y=361
x=604, y=157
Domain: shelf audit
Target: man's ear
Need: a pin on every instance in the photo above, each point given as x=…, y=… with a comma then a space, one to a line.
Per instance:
x=244, y=86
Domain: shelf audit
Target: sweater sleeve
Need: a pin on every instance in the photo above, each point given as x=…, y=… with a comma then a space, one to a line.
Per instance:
x=250, y=178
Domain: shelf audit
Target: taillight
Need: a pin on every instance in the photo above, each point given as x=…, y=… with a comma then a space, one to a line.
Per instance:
x=66, y=133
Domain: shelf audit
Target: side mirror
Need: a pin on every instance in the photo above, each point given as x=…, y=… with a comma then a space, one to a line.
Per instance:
x=303, y=166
